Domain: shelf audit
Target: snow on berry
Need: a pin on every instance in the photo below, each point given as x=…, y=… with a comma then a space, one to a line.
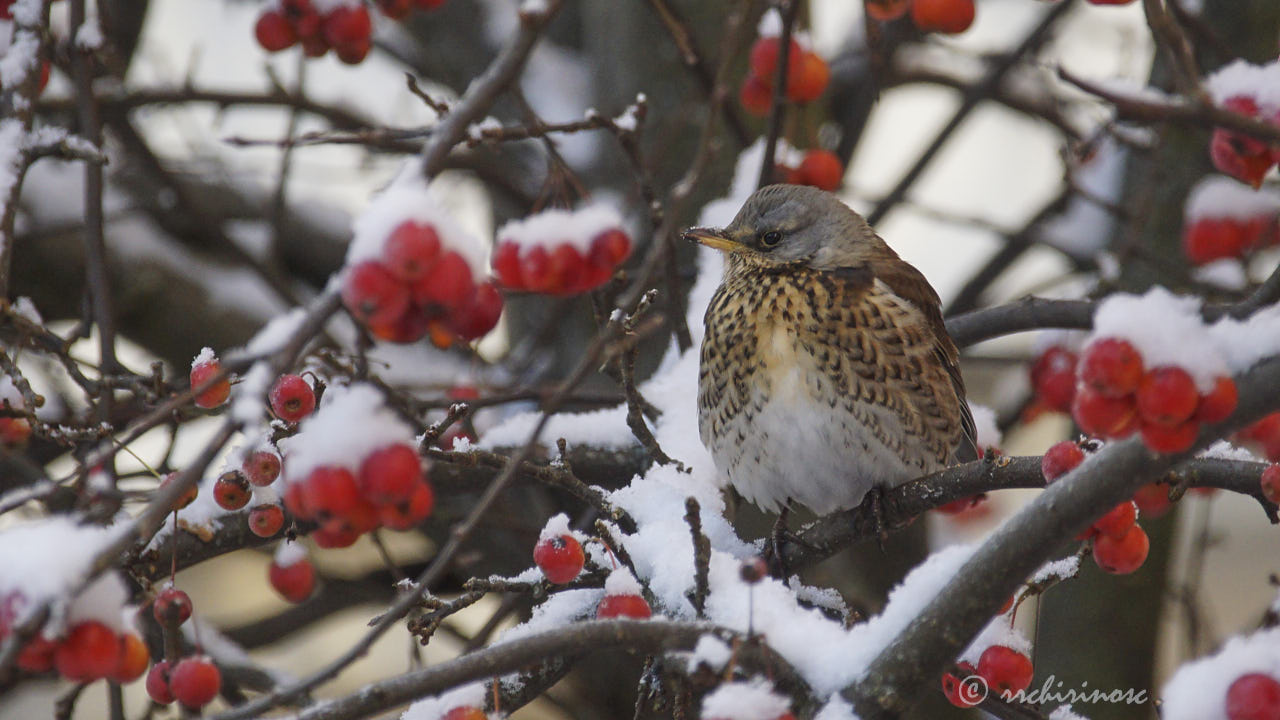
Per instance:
x=558, y=553
x=291, y=572
x=1166, y=329
x=1243, y=79
x=753, y=699
x=1199, y=689
x=437, y=706
x=561, y=252
x=204, y=368
x=351, y=423
x=1224, y=219
x=623, y=597
x=1249, y=90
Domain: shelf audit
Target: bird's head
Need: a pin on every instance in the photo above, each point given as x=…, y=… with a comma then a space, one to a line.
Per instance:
x=788, y=225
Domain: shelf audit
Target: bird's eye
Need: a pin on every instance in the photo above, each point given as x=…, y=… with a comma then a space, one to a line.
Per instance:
x=771, y=238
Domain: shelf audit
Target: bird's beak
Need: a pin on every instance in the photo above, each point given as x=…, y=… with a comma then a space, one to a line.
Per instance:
x=712, y=238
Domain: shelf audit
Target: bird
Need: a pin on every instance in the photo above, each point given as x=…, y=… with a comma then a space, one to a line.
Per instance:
x=826, y=370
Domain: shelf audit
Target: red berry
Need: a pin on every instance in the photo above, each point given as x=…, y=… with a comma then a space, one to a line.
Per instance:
x=346, y=25
x=195, y=681
x=808, y=77
x=410, y=250
x=215, y=394
x=158, y=683
x=187, y=498
x=1111, y=367
x=753, y=570
x=476, y=319
x=373, y=295
x=305, y=19
x=944, y=16
x=1118, y=521
x=961, y=509
x=960, y=693
x=172, y=605
x=567, y=269
x=1006, y=670
x=231, y=490
x=295, y=501
x=1218, y=404
x=886, y=10
x=1169, y=440
x=506, y=265
x=535, y=270
x=390, y=475
x=410, y=327
x=14, y=432
x=465, y=712
x=262, y=467
x=1053, y=377
x=404, y=516
x=89, y=652
x=1060, y=459
x=1152, y=500
x=273, y=31
x=560, y=558
x=37, y=655
x=1270, y=482
x=314, y=46
x=266, y=520
x=332, y=536
x=133, y=660
x=292, y=398
x=821, y=169
x=1103, y=416
x=1253, y=697
x=294, y=582
x=628, y=606
x=609, y=248
x=1167, y=396
x=329, y=492
x=353, y=53
x=1208, y=238
x=448, y=284
x=1245, y=158
x=764, y=59
x=756, y=96
x=1123, y=555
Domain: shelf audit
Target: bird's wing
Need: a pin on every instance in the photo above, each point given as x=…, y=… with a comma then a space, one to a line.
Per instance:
x=893, y=334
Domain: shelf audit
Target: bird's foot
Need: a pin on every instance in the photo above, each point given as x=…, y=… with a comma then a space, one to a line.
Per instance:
x=874, y=501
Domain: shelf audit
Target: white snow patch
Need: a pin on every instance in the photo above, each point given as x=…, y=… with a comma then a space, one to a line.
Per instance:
x=837, y=708
x=997, y=632
x=748, y=700
x=1060, y=569
x=1166, y=329
x=289, y=554
x=1082, y=229
x=551, y=228
x=1198, y=690
x=988, y=429
x=1260, y=82
x=710, y=651
x=622, y=582
x=89, y=36
x=435, y=707
x=558, y=525
x=204, y=357
x=1063, y=712
x=1225, y=273
x=1224, y=450
x=27, y=310
x=1218, y=196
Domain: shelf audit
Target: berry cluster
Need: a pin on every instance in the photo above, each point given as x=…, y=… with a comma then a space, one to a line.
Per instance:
x=819, y=168
x=194, y=681
x=561, y=252
x=1253, y=696
x=807, y=74
x=1004, y=671
x=389, y=490
x=1116, y=396
x=1224, y=219
x=343, y=26
x=1248, y=90
x=291, y=572
x=416, y=287
x=1120, y=545
x=89, y=651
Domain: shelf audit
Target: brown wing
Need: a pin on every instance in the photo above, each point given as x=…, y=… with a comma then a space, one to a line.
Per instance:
x=909, y=284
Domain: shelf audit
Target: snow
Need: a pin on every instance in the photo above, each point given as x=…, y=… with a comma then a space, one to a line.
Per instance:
x=1198, y=690
x=350, y=423
x=27, y=310
x=628, y=121
x=710, y=651
x=750, y=700
x=1261, y=82
x=988, y=429
x=1218, y=196
x=551, y=228
x=89, y=36
x=999, y=631
x=276, y=333
x=435, y=706
x=836, y=709
x=19, y=59
x=204, y=357
x=11, y=144
x=558, y=525
x=1224, y=450
x=1245, y=342
x=560, y=609
x=290, y=553
x=1225, y=273
x=249, y=396
x=1063, y=712
x=47, y=558
x=622, y=582
x=408, y=198
x=533, y=7
x=606, y=428
x=1060, y=569
x=9, y=394
x=1166, y=329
